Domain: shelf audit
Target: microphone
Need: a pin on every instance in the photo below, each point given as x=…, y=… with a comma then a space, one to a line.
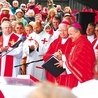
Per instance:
x=18, y=42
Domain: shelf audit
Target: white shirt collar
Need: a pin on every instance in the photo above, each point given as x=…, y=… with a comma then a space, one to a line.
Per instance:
x=6, y=39
x=64, y=40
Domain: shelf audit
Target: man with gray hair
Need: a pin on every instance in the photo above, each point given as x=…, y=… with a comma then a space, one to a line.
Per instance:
x=9, y=55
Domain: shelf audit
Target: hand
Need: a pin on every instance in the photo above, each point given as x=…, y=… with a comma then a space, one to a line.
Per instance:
x=23, y=69
x=37, y=44
x=32, y=47
x=4, y=49
x=59, y=64
x=58, y=54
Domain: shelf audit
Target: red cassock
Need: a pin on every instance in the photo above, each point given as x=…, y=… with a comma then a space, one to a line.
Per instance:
x=80, y=61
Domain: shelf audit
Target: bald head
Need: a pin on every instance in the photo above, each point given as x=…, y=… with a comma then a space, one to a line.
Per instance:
x=63, y=30
x=68, y=19
x=48, y=90
x=37, y=27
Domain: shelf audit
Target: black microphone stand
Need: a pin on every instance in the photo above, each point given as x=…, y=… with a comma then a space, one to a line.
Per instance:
x=13, y=47
x=7, y=52
x=29, y=62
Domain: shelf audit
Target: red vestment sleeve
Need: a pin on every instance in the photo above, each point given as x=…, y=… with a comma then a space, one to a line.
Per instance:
x=52, y=49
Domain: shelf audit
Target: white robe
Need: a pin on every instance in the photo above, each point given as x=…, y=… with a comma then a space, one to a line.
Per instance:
x=16, y=53
x=36, y=69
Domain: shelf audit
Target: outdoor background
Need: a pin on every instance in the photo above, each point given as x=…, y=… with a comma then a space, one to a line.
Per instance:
x=72, y=3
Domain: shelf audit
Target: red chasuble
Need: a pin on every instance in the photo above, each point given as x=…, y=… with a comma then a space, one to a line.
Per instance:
x=80, y=61
x=63, y=79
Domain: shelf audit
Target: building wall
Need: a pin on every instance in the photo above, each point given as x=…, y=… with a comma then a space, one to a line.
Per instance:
x=75, y=5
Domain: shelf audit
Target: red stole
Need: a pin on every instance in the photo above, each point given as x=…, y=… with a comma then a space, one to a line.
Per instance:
x=9, y=59
x=93, y=43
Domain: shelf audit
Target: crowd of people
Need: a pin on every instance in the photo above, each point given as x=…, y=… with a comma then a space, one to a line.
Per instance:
x=31, y=32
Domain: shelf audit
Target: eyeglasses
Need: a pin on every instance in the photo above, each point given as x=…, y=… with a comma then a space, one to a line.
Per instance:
x=19, y=28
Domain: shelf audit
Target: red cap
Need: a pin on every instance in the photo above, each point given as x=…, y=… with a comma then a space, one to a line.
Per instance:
x=77, y=25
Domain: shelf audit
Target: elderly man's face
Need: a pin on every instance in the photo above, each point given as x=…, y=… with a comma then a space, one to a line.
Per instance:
x=7, y=28
x=73, y=33
x=63, y=30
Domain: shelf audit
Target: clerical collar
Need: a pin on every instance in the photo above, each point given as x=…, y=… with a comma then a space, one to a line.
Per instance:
x=90, y=38
x=6, y=35
x=39, y=32
x=6, y=39
x=64, y=40
x=19, y=35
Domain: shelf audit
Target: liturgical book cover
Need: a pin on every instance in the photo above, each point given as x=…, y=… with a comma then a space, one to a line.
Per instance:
x=53, y=69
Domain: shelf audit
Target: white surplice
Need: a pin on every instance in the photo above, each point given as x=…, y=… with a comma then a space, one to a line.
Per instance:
x=16, y=53
x=44, y=40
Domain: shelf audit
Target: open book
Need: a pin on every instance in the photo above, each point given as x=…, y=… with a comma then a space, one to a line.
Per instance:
x=53, y=69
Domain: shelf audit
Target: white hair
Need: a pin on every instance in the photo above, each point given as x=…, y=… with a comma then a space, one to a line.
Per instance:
x=5, y=22
x=15, y=2
x=30, y=11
